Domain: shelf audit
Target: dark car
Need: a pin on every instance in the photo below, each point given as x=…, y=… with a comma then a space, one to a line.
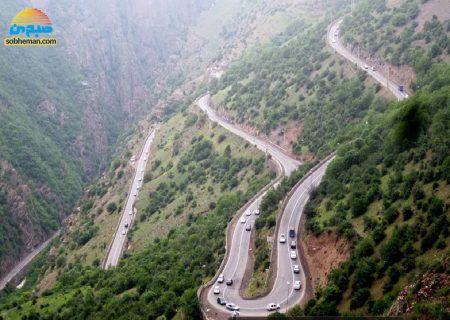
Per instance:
x=293, y=244
x=221, y=301
x=292, y=233
x=229, y=282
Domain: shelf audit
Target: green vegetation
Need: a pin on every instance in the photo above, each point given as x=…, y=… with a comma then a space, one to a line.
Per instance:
x=208, y=166
x=397, y=34
x=387, y=192
x=192, y=165
x=297, y=78
x=265, y=227
x=401, y=168
x=39, y=120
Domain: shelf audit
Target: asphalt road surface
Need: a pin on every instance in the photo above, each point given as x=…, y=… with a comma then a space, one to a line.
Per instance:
x=127, y=216
x=288, y=163
x=333, y=40
x=24, y=262
x=283, y=292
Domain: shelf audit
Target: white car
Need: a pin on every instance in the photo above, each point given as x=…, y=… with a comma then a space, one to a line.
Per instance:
x=248, y=213
x=282, y=238
x=296, y=268
x=366, y=66
x=140, y=179
x=334, y=40
x=293, y=254
x=216, y=290
x=145, y=159
x=232, y=307
x=242, y=220
x=373, y=68
x=123, y=232
x=220, y=279
x=297, y=285
x=273, y=307
x=142, y=170
x=257, y=212
x=130, y=213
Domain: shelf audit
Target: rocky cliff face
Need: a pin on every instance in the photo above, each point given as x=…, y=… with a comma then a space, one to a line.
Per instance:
x=63, y=109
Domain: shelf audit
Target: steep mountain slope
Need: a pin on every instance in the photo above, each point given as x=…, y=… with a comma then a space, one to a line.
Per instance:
x=63, y=109
x=388, y=194
x=389, y=186
x=178, y=257
x=41, y=134
x=401, y=38
x=297, y=92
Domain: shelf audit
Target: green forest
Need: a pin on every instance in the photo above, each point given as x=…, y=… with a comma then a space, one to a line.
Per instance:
x=299, y=81
x=404, y=162
x=386, y=193
x=39, y=120
x=394, y=33
x=46, y=149
x=399, y=227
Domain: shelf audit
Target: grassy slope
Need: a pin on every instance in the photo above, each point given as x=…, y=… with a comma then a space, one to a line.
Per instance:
x=297, y=78
x=175, y=134
x=175, y=253
x=399, y=226
x=404, y=33
x=89, y=230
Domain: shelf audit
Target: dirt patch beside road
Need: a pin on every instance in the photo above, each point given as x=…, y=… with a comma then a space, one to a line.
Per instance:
x=322, y=254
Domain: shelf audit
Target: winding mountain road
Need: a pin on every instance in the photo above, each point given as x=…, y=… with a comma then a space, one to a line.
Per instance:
x=288, y=163
x=334, y=42
x=283, y=292
x=120, y=235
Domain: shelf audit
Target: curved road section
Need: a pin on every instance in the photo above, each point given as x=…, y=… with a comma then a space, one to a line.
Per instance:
x=120, y=236
x=286, y=162
x=283, y=291
x=333, y=40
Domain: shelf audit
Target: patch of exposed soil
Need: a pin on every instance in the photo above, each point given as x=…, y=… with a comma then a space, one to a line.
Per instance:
x=324, y=253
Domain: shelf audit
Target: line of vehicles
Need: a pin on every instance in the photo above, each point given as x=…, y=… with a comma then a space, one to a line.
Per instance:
x=366, y=67
x=297, y=285
x=135, y=193
x=248, y=213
